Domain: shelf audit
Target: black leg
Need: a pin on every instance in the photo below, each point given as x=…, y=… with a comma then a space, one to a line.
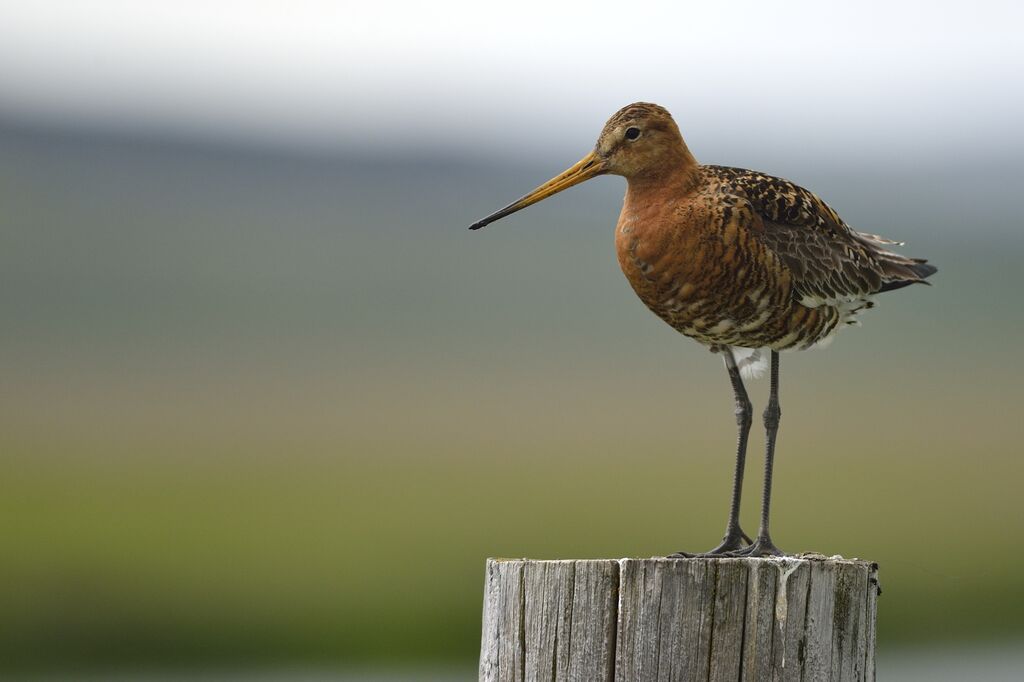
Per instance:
x=763, y=545
x=744, y=418
x=734, y=535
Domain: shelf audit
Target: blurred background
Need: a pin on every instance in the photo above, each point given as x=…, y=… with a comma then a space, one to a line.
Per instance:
x=266, y=406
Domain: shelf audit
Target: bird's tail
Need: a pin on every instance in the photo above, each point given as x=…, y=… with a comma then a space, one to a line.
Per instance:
x=899, y=271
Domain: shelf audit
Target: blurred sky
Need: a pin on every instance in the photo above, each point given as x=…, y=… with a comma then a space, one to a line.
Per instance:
x=938, y=79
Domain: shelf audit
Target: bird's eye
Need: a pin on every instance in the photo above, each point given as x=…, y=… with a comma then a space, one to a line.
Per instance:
x=632, y=133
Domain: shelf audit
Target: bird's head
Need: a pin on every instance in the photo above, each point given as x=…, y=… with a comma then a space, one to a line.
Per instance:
x=640, y=140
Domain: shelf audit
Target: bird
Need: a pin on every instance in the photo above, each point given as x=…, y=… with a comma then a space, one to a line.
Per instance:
x=743, y=262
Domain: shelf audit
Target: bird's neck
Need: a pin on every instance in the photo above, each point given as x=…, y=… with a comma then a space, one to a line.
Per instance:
x=679, y=173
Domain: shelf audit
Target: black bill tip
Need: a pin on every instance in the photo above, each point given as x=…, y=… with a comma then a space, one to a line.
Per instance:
x=497, y=215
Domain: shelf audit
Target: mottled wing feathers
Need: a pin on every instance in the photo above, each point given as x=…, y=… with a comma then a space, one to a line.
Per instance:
x=828, y=261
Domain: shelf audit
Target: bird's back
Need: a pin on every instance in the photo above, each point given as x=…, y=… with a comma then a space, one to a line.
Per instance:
x=829, y=260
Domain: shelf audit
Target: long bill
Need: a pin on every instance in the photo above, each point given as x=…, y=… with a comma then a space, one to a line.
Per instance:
x=589, y=166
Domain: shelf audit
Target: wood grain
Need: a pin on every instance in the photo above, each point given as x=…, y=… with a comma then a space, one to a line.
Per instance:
x=642, y=620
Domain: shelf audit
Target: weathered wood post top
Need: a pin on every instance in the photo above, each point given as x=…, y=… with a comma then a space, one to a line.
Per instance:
x=809, y=618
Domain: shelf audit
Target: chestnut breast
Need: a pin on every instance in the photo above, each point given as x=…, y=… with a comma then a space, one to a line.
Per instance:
x=697, y=274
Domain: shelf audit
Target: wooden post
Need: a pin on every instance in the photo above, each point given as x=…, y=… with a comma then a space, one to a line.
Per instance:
x=636, y=620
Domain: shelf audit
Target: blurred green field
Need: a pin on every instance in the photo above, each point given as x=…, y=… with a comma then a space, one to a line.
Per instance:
x=257, y=409
x=280, y=553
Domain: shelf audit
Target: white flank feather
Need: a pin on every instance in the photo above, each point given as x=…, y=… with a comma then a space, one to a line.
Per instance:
x=752, y=362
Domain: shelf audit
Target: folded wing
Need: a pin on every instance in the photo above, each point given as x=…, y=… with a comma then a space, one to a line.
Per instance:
x=830, y=263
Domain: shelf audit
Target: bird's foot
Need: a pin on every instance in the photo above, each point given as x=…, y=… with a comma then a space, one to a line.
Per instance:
x=732, y=542
x=762, y=546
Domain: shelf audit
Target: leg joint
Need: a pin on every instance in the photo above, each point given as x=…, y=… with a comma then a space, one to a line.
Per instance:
x=744, y=412
x=772, y=415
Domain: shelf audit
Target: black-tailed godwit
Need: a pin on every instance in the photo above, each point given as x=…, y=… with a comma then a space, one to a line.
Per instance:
x=744, y=263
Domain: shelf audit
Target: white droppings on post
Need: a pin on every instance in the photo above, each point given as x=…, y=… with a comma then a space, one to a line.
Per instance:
x=781, y=600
